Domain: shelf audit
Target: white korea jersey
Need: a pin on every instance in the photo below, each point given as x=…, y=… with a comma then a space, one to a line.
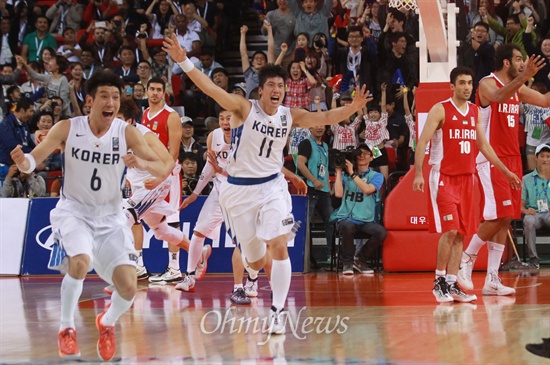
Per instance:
x=93, y=169
x=257, y=145
x=137, y=176
x=222, y=151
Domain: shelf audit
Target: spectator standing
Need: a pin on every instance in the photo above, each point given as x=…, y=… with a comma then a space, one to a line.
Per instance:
x=8, y=44
x=64, y=14
x=283, y=23
x=14, y=130
x=311, y=17
x=34, y=42
x=536, y=128
x=345, y=132
x=105, y=44
x=160, y=13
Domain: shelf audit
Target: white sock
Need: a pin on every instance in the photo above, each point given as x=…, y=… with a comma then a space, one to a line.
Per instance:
x=237, y=286
x=475, y=245
x=140, y=258
x=253, y=276
x=119, y=305
x=440, y=273
x=495, y=251
x=174, y=260
x=450, y=279
x=71, y=289
x=280, y=281
x=195, y=252
x=247, y=267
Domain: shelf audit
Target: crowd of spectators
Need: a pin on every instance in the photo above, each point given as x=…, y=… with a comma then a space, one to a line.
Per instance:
x=48, y=49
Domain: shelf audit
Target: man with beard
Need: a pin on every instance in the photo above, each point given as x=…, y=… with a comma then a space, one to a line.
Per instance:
x=498, y=97
x=104, y=47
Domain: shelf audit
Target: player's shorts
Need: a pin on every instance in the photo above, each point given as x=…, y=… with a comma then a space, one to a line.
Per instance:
x=174, y=196
x=451, y=203
x=210, y=218
x=150, y=205
x=107, y=240
x=498, y=198
x=255, y=214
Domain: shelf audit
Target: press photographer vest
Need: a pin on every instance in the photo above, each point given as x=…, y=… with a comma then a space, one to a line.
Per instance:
x=318, y=158
x=355, y=203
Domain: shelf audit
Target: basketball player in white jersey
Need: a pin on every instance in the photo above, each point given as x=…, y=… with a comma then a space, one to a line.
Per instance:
x=255, y=200
x=165, y=123
x=211, y=218
x=88, y=222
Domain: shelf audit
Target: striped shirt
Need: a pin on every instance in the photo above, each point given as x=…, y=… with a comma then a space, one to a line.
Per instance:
x=345, y=135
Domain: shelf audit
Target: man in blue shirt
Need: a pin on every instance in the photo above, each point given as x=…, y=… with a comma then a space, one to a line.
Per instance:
x=14, y=130
x=359, y=187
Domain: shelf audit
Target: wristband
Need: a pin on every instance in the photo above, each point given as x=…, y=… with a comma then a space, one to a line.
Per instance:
x=353, y=176
x=186, y=65
x=32, y=164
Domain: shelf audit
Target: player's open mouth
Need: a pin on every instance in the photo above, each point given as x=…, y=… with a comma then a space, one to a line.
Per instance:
x=275, y=99
x=228, y=129
x=107, y=114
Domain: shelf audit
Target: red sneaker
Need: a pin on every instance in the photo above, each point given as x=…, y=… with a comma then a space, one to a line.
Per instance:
x=66, y=341
x=106, y=344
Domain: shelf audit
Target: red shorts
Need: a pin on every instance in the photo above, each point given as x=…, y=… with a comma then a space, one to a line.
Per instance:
x=498, y=199
x=451, y=203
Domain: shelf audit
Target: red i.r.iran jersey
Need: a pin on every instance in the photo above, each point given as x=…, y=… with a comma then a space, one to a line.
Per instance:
x=501, y=124
x=157, y=123
x=453, y=148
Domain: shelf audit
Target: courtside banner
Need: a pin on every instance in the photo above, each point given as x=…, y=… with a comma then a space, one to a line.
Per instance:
x=13, y=219
x=39, y=239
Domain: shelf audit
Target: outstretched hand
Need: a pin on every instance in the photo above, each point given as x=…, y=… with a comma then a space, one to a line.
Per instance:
x=533, y=65
x=172, y=46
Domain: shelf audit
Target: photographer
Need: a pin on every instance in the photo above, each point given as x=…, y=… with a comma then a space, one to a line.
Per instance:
x=359, y=188
x=64, y=14
x=189, y=168
x=21, y=185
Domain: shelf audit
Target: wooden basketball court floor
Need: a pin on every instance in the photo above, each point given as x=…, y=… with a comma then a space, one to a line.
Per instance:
x=389, y=318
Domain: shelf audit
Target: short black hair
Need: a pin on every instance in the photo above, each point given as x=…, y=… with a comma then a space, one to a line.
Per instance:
x=505, y=52
x=460, y=70
x=23, y=104
x=398, y=16
x=259, y=52
x=374, y=105
x=156, y=80
x=270, y=71
x=189, y=156
x=220, y=69
x=129, y=109
x=103, y=78
x=482, y=24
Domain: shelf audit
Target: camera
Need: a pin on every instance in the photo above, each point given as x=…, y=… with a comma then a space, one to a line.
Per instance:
x=140, y=35
x=191, y=183
x=319, y=43
x=54, y=104
x=338, y=158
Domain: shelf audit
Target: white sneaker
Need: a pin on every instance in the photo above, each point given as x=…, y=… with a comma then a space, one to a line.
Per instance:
x=464, y=275
x=459, y=296
x=188, y=284
x=276, y=322
x=493, y=286
x=142, y=272
x=200, y=270
x=441, y=291
x=169, y=276
x=251, y=287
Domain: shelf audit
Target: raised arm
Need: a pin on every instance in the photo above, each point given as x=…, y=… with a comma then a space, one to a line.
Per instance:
x=174, y=135
x=284, y=48
x=231, y=102
x=245, y=62
x=55, y=138
x=383, y=97
x=270, y=44
x=434, y=121
x=305, y=119
x=489, y=92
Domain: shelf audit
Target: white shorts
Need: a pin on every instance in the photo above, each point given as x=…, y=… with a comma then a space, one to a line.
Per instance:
x=210, y=218
x=107, y=241
x=255, y=214
x=174, y=197
x=150, y=205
